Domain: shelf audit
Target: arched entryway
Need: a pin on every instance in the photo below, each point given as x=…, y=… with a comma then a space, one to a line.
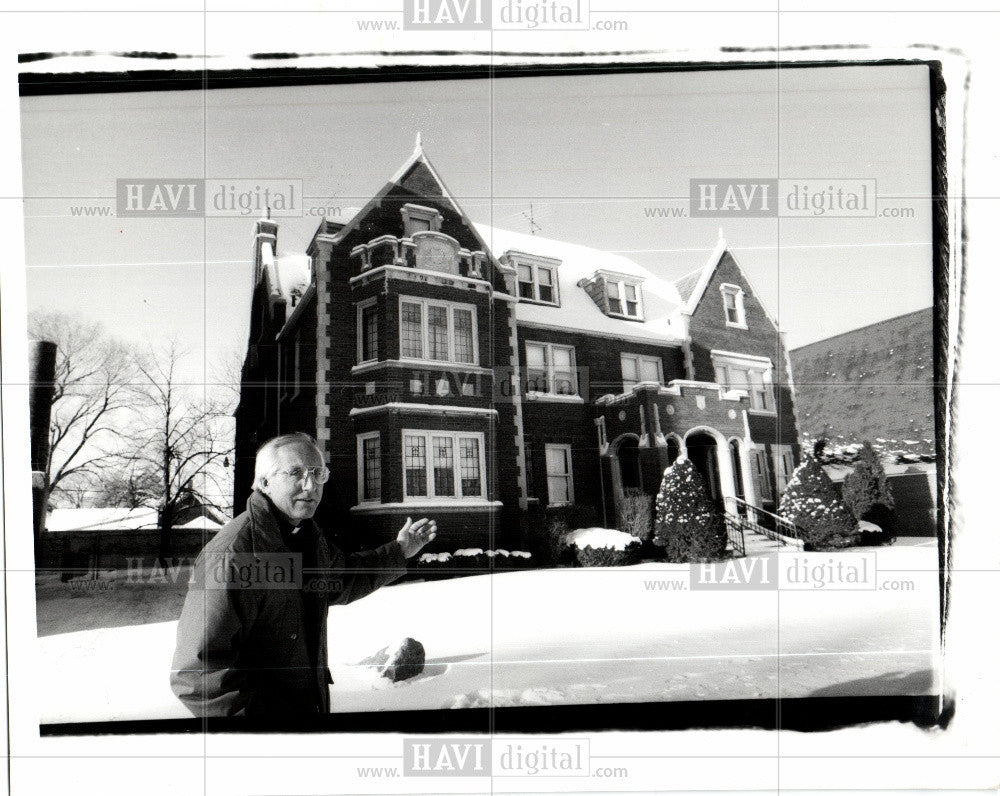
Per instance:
x=628, y=464
x=702, y=450
x=626, y=472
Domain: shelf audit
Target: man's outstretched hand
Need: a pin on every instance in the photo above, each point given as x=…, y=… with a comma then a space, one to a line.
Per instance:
x=413, y=536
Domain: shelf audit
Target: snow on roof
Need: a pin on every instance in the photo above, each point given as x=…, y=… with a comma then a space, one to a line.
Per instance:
x=698, y=285
x=287, y=273
x=577, y=309
x=200, y=523
x=104, y=519
x=115, y=519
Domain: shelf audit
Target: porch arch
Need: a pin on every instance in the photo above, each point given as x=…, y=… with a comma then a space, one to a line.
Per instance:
x=624, y=446
x=722, y=458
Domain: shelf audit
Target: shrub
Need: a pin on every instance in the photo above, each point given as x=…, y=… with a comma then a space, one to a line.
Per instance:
x=865, y=491
x=689, y=527
x=573, y=516
x=600, y=547
x=472, y=561
x=635, y=514
x=545, y=527
x=810, y=501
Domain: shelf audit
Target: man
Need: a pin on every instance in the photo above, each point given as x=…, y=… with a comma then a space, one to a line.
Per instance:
x=251, y=640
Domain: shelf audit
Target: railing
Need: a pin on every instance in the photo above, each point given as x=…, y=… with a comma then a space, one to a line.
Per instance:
x=758, y=520
x=734, y=529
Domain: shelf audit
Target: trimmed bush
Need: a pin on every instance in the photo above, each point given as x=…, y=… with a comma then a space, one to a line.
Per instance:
x=545, y=527
x=866, y=493
x=689, y=527
x=472, y=561
x=810, y=501
x=635, y=514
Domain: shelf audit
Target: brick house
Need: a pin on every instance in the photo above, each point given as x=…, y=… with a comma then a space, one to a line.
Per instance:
x=477, y=375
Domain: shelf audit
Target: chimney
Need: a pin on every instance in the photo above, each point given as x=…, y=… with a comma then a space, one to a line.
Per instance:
x=265, y=236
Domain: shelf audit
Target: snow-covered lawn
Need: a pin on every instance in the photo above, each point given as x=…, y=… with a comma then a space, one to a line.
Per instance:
x=559, y=637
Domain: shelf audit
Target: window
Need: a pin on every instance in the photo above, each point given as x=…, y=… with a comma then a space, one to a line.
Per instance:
x=761, y=474
x=369, y=468
x=438, y=331
x=784, y=465
x=443, y=464
x=732, y=302
x=537, y=281
x=748, y=373
x=368, y=331
x=417, y=218
x=559, y=471
x=636, y=368
x=623, y=298
x=550, y=368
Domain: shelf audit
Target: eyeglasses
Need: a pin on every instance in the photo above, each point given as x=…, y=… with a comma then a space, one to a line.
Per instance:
x=319, y=475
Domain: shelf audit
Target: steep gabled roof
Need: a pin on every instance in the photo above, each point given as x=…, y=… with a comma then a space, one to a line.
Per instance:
x=696, y=283
x=417, y=157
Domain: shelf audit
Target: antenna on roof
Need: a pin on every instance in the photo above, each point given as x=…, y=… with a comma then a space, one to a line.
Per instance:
x=418, y=145
x=721, y=236
x=269, y=212
x=530, y=215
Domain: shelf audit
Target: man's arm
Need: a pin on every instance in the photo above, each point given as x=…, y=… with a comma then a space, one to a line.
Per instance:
x=214, y=619
x=371, y=569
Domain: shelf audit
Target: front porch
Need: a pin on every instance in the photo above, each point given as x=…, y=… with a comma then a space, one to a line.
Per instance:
x=644, y=431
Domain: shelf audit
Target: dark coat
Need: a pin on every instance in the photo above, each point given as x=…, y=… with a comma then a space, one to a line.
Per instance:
x=260, y=650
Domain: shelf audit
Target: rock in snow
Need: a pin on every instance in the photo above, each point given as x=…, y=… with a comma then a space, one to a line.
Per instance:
x=400, y=661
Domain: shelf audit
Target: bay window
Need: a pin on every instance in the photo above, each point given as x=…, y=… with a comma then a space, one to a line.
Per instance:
x=435, y=330
x=444, y=464
x=369, y=468
x=367, y=331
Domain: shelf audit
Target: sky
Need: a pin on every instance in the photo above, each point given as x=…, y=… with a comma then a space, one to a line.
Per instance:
x=586, y=158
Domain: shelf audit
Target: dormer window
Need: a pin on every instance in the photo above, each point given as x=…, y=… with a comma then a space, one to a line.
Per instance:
x=732, y=302
x=417, y=218
x=537, y=277
x=623, y=298
x=537, y=283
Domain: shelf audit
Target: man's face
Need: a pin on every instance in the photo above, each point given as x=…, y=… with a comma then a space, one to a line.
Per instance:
x=296, y=499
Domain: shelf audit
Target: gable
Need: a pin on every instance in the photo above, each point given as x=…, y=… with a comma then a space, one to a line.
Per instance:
x=421, y=182
x=706, y=302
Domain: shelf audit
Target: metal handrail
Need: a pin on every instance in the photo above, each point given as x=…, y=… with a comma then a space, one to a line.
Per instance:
x=734, y=529
x=751, y=516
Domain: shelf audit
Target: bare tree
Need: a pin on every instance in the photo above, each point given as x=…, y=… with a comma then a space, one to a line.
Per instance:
x=181, y=443
x=91, y=392
x=129, y=488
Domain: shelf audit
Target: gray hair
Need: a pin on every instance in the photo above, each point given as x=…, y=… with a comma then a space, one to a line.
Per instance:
x=267, y=454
